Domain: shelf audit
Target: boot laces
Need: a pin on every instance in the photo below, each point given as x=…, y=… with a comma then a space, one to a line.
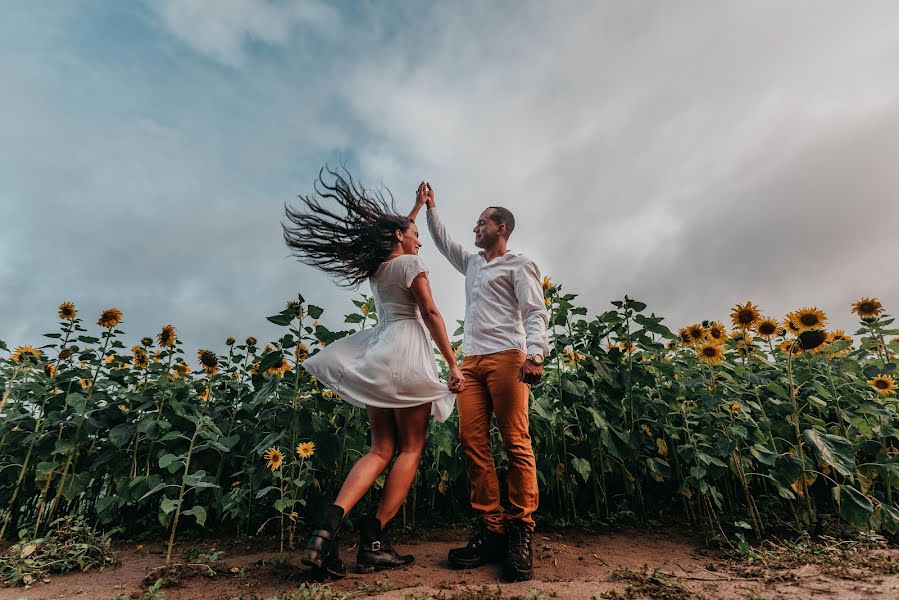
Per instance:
x=520, y=540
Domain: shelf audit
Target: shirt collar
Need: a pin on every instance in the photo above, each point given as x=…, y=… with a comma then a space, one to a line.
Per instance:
x=509, y=253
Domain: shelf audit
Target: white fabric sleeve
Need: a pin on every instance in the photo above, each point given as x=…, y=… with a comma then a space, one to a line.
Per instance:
x=412, y=266
x=453, y=251
x=529, y=292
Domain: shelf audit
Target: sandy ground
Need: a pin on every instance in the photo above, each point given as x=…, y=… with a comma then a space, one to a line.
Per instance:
x=567, y=565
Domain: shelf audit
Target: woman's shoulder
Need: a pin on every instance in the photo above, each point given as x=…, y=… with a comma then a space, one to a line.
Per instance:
x=404, y=260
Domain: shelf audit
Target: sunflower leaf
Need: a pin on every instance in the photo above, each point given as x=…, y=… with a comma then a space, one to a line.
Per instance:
x=199, y=513
x=834, y=450
x=272, y=359
x=280, y=319
x=853, y=506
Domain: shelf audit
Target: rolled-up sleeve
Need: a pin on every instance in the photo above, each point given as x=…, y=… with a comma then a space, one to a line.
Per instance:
x=534, y=316
x=453, y=251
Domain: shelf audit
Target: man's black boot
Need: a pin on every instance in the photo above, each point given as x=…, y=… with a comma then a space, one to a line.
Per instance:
x=375, y=549
x=321, y=551
x=519, y=562
x=484, y=547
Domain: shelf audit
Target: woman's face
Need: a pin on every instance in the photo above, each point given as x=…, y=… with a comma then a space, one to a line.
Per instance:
x=408, y=239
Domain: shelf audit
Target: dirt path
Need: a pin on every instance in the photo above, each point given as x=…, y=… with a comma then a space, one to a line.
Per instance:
x=567, y=566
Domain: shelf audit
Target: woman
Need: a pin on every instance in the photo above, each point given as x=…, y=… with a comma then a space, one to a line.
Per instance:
x=389, y=369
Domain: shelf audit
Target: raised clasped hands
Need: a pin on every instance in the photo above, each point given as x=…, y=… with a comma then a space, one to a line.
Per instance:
x=424, y=195
x=457, y=380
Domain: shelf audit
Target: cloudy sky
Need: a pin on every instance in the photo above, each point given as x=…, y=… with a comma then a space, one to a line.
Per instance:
x=690, y=154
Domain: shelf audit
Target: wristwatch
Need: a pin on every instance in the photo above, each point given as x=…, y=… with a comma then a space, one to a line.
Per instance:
x=535, y=358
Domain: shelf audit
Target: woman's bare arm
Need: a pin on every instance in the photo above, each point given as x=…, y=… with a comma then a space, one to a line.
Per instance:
x=421, y=289
x=421, y=197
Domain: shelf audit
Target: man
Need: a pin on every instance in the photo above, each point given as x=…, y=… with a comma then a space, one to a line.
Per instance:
x=505, y=341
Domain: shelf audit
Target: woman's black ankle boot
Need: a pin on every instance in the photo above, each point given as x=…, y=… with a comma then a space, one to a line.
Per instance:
x=375, y=549
x=321, y=550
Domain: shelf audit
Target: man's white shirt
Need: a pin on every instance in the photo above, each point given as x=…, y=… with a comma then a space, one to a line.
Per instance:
x=504, y=307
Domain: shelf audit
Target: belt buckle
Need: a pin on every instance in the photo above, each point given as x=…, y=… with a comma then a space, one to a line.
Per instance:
x=376, y=546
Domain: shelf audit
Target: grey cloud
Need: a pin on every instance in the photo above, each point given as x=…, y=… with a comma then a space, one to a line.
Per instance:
x=692, y=155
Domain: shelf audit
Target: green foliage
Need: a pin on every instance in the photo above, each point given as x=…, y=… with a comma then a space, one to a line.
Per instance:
x=68, y=546
x=626, y=423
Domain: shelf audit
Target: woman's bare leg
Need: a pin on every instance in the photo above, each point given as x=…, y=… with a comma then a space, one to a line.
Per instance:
x=369, y=467
x=411, y=430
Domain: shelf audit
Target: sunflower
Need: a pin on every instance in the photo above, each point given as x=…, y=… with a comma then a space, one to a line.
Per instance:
x=745, y=345
x=745, y=316
x=683, y=336
x=167, y=336
x=146, y=342
x=268, y=348
x=628, y=347
x=697, y=333
x=208, y=361
x=717, y=332
x=306, y=449
x=868, y=308
x=67, y=311
x=806, y=319
x=839, y=335
x=274, y=457
x=109, y=318
x=141, y=360
x=204, y=395
x=26, y=352
x=767, y=328
x=85, y=383
x=711, y=353
x=791, y=327
x=50, y=370
x=302, y=351
x=671, y=345
x=230, y=341
x=546, y=302
x=251, y=341
x=65, y=354
x=884, y=385
x=812, y=339
x=295, y=307
x=547, y=283
x=280, y=370
x=790, y=346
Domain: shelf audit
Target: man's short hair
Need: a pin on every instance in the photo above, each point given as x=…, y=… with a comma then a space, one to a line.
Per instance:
x=503, y=216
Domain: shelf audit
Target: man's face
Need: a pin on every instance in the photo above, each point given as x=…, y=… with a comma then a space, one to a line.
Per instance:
x=486, y=231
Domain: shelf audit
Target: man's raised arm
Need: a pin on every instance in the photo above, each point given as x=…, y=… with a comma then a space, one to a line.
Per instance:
x=453, y=251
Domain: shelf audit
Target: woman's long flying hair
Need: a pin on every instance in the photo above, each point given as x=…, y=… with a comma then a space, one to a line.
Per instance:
x=350, y=242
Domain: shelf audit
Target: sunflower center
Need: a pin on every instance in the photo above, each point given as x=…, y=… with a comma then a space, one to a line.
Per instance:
x=809, y=320
x=882, y=384
x=709, y=352
x=767, y=328
x=746, y=317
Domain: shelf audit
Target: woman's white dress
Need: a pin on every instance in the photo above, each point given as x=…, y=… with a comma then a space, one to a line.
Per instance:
x=391, y=365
